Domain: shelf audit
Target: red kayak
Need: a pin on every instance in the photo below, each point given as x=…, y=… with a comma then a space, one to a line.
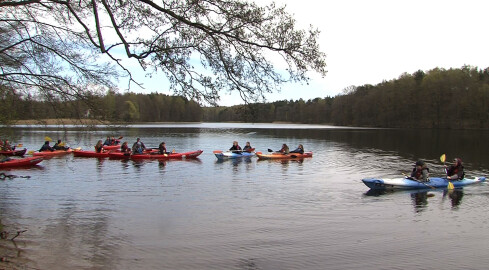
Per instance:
x=82, y=153
x=52, y=153
x=111, y=147
x=21, y=162
x=18, y=152
x=191, y=154
x=119, y=155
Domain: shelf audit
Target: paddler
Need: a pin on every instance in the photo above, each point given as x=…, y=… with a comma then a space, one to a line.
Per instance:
x=138, y=147
x=99, y=146
x=456, y=170
x=46, y=147
x=235, y=148
x=299, y=149
x=420, y=172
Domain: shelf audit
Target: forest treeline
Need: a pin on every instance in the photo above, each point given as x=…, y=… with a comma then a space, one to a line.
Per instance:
x=438, y=98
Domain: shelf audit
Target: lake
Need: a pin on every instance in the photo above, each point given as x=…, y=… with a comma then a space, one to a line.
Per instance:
x=86, y=213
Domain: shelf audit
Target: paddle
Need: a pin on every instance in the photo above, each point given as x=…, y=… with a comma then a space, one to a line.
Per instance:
x=443, y=158
x=48, y=139
x=408, y=177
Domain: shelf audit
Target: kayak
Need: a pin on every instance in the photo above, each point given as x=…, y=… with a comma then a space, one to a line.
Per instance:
x=234, y=154
x=52, y=153
x=405, y=183
x=119, y=155
x=18, y=152
x=21, y=162
x=111, y=147
x=275, y=155
x=82, y=153
x=191, y=154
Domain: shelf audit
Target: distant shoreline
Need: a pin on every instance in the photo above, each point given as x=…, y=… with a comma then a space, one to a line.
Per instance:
x=61, y=121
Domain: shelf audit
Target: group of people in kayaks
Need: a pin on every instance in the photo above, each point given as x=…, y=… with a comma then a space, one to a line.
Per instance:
x=235, y=148
x=421, y=172
x=137, y=148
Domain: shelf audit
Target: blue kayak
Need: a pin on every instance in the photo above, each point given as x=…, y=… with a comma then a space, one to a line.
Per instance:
x=405, y=183
x=233, y=154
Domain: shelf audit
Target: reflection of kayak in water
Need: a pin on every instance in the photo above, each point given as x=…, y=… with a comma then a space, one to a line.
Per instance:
x=233, y=154
x=405, y=183
x=260, y=155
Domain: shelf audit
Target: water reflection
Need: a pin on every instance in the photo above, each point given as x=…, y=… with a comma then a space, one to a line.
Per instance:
x=455, y=196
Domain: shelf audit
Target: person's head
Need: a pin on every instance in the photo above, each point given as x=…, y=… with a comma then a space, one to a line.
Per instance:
x=59, y=141
x=124, y=143
x=457, y=162
x=138, y=139
x=46, y=142
x=235, y=143
x=99, y=142
x=301, y=147
x=420, y=163
x=284, y=145
x=248, y=144
x=162, y=143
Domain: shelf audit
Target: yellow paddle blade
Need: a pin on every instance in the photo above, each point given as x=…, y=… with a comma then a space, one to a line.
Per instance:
x=30, y=152
x=77, y=149
x=450, y=186
x=19, y=145
x=443, y=158
x=62, y=144
x=47, y=139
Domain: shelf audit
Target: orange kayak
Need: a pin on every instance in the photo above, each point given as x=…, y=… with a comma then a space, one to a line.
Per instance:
x=260, y=155
x=52, y=153
x=21, y=162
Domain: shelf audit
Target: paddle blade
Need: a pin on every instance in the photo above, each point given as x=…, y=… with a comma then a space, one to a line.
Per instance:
x=217, y=151
x=443, y=158
x=450, y=186
x=20, y=145
x=270, y=150
x=30, y=152
x=47, y=139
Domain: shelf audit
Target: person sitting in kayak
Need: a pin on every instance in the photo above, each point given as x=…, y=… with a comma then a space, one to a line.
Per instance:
x=162, y=149
x=247, y=147
x=456, y=170
x=60, y=146
x=7, y=147
x=138, y=147
x=125, y=148
x=284, y=150
x=299, y=149
x=108, y=141
x=99, y=146
x=46, y=147
x=420, y=172
x=235, y=148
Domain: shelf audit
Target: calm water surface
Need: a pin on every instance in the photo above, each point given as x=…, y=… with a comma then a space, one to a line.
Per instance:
x=83, y=213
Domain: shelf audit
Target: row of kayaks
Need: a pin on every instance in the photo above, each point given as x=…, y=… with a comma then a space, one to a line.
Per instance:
x=221, y=155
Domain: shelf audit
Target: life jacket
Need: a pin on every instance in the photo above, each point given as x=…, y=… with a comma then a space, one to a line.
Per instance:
x=418, y=173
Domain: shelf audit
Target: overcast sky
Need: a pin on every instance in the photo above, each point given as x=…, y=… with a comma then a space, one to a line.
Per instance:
x=368, y=41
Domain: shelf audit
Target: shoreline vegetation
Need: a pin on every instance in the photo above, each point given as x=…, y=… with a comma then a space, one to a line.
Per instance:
x=436, y=99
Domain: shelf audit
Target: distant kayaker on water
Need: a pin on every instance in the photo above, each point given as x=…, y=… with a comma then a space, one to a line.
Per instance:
x=7, y=147
x=235, y=147
x=284, y=150
x=138, y=147
x=420, y=172
x=125, y=148
x=248, y=147
x=60, y=146
x=456, y=170
x=46, y=147
x=162, y=149
x=99, y=146
x=299, y=149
